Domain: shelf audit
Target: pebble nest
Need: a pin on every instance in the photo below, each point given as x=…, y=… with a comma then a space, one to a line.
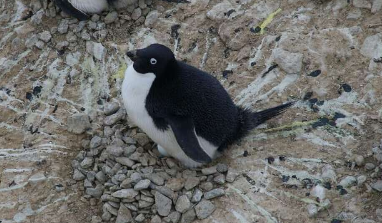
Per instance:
x=123, y=169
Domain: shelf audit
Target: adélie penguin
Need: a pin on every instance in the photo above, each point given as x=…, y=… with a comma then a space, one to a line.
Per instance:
x=186, y=111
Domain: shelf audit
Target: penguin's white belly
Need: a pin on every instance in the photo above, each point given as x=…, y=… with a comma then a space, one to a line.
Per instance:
x=135, y=89
x=90, y=6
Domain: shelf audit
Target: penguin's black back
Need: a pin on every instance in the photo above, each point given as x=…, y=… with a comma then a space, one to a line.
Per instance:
x=187, y=91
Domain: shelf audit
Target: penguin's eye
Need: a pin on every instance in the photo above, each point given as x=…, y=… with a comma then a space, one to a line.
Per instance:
x=153, y=61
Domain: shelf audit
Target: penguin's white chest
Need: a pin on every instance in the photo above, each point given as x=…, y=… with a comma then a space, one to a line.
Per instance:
x=135, y=89
x=90, y=6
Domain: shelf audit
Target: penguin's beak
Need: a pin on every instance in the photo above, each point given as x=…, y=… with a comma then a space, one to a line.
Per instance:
x=132, y=55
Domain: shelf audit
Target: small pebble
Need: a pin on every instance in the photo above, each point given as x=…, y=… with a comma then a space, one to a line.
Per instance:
x=209, y=171
x=377, y=186
x=222, y=168
x=312, y=210
x=348, y=181
x=369, y=166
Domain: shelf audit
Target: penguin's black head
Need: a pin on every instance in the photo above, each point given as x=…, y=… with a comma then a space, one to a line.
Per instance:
x=155, y=58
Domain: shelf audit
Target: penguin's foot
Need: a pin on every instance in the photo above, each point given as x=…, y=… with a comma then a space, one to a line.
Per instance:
x=162, y=151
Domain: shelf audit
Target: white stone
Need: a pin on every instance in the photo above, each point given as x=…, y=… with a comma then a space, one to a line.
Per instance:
x=96, y=49
x=362, y=4
x=219, y=11
x=372, y=46
x=289, y=62
x=377, y=5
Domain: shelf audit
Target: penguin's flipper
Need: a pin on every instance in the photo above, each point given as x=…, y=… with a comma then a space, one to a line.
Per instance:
x=68, y=8
x=184, y=131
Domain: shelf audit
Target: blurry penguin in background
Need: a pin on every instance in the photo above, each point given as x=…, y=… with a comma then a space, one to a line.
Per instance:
x=81, y=9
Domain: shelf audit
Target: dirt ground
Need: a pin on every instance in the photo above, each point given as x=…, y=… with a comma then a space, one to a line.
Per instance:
x=338, y=115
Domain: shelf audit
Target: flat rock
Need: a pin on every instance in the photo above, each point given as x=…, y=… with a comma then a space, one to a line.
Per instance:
x=366, y=4
x=87, y=162
x=348, y=181
x=288, y=61
x=141, y=185
x=214, y=193
x=95, y=142
x=114, y=150
x=222, y=168
x=78, y=123
x=372, y=46
x=163, y=204
x=111, y=17
x=156, y=219
x=95, y=192
x=209, y=170
x=125, y=161
x=220, y=10
x=45, y=36
x=377, y=5
x=206, y=186
x=125, y=193
x=97, y=50
x=328, y=174
x=182, y=204
x=175, y=184
x=173, y=217
x=124, y=215
x=198, y=194
x=188, y=217
x=219, y=179
x=312, y=210
x=191, y=182
x=140, y=218
x=155, y=178
x=77, y=175
x=204, y=209
x=377, y=185
x=63, y=26
x=152, y=18
x=111, y=108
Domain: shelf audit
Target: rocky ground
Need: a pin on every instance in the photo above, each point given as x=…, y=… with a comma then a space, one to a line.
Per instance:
x=69, y=154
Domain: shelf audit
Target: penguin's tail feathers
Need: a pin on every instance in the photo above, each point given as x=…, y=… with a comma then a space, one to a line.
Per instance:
x=248, y=119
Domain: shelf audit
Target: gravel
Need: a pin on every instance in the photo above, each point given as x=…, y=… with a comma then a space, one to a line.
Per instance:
x=135, y=185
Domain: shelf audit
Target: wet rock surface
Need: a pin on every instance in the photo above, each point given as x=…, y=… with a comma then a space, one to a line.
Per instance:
x=68, y=149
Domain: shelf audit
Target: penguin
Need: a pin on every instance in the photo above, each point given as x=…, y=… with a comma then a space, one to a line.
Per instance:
x=186, y=111
x=81, y=9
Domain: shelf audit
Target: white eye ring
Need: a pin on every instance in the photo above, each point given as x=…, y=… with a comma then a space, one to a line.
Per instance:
x=153, y=61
